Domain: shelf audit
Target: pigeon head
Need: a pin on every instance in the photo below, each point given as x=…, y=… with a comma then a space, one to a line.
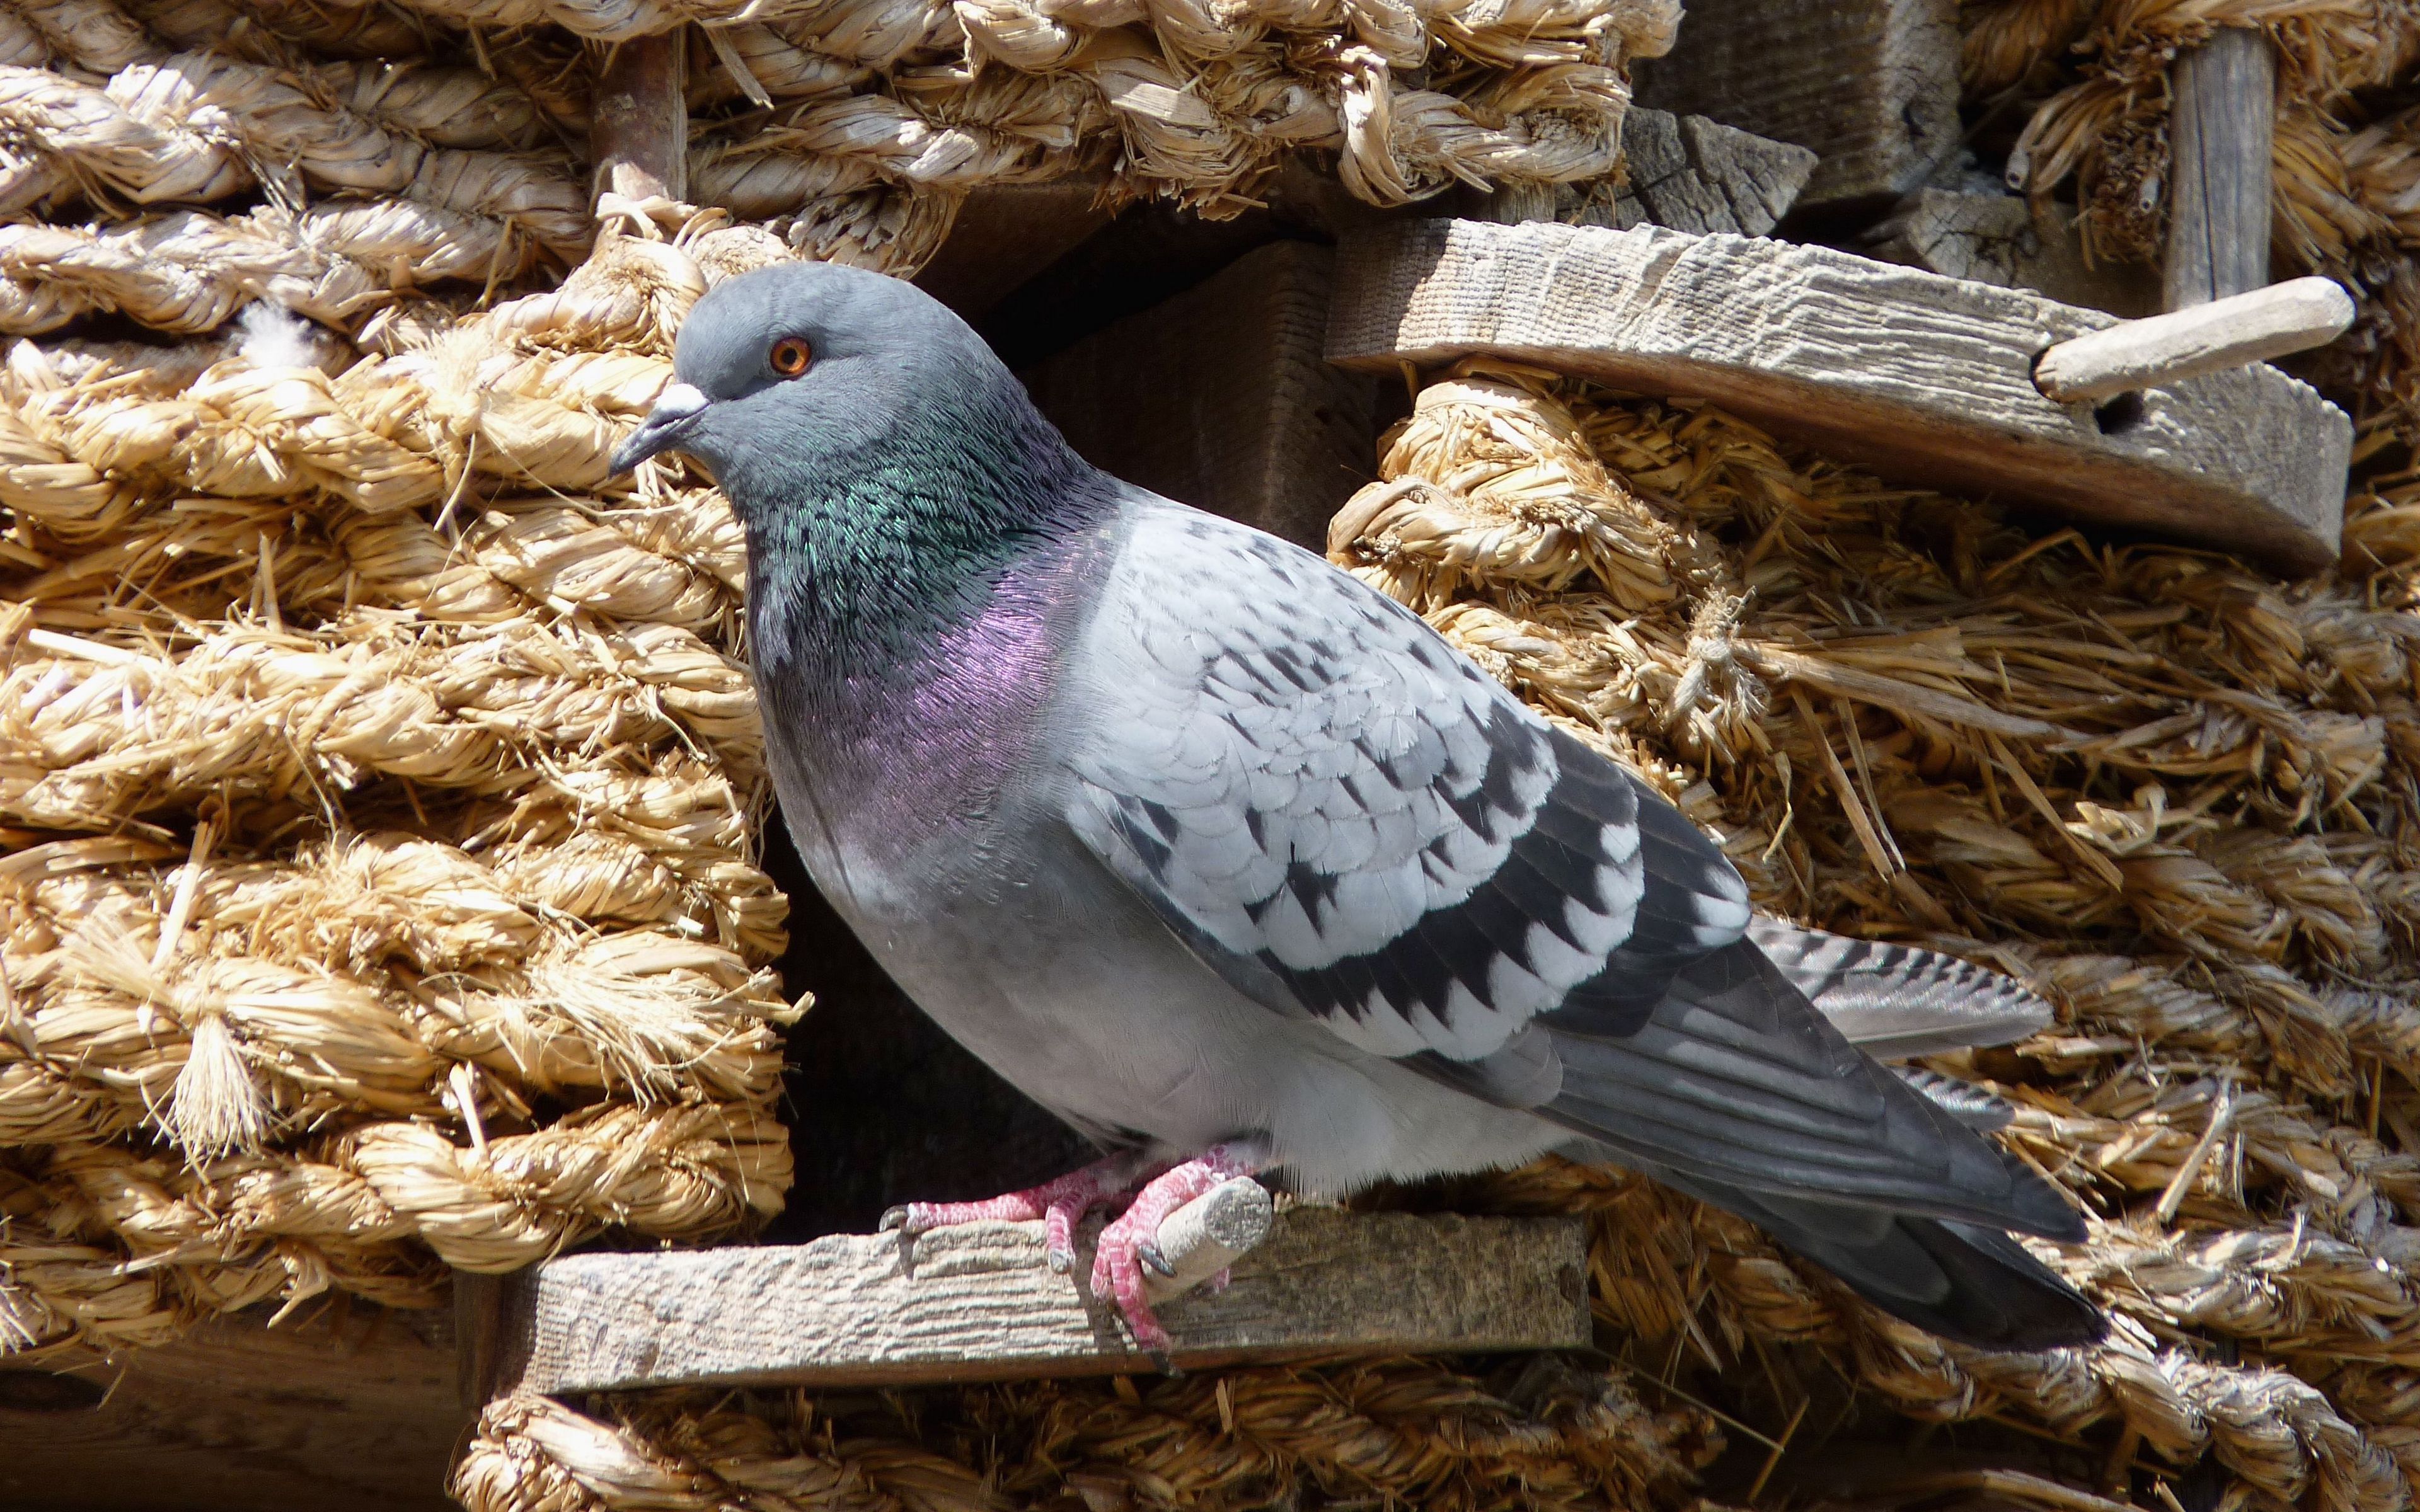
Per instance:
x=789, y=379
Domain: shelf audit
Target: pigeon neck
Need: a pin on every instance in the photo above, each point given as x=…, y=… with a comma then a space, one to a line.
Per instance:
x=877, y=550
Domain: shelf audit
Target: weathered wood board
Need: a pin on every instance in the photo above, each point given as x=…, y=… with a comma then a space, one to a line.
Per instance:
x=357, y=1410
x=1684, y=171
x=1871, y=85
x=2221, y=173
x=1697, y=175
x=1995, y=239
x=1218, y=397
x=977, y=1302
x=1923, y=378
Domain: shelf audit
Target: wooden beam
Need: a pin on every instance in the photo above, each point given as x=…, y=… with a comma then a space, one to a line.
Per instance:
x=2220, y=170
x=1870, y=85
x=638, y=135
x=355, y=1408
x=2292, y=317
x=1924, y=379
x=1695, y=175
x=1218, y=397
x=977, y=1302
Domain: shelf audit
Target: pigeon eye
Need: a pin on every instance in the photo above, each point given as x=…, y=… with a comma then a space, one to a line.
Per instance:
x=791, y=357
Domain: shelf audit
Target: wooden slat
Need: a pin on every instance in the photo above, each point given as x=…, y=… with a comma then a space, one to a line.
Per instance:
x=1871, y=85
x=2220, y=174
x=977, y=1302
x=639, y=132
x=1923, y=378
x=356, y=1411
x=1219, y=399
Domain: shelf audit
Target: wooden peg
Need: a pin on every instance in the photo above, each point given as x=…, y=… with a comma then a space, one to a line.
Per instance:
x=1209, y=1234
x=2292, y=317
x=2220, y=127
x=639, y=135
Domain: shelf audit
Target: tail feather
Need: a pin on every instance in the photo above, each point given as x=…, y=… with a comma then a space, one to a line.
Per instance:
x=1965, y=1282
x=1895, y=1001
x=1737, y=1091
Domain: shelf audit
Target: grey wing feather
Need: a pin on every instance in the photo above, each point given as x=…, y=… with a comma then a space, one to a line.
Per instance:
x=1897, y=1001
x=1351, y=823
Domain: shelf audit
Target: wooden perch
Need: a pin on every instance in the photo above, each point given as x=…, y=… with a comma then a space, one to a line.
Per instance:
x=2219, y=172
x=1924, y=379
x=2204, y=338
x=638, y=134
x=978, y=1303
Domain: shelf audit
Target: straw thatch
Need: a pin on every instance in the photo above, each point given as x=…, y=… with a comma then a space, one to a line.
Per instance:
x=380, y=798
x=2094, y=77
x=399, y=147
x=1547, y=1436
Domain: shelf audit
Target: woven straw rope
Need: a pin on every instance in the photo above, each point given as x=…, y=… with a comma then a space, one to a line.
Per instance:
x=533, y=1009
x=392, y=176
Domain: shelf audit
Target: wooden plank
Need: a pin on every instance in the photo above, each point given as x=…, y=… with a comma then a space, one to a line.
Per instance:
x=2292, y=317
x=1218, y=397
x=977, y=1302
x=2220, y=174
x=1924, y=379
x=639, y=135
x=1871, y=85
x=1005, y=234
x=1995, y=239
x=355, y=1408
x=1684, y=171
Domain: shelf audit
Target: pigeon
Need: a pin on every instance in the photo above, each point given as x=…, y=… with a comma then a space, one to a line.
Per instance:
x=1231, y=862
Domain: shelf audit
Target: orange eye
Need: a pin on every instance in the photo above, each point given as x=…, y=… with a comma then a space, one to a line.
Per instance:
x=791, y=357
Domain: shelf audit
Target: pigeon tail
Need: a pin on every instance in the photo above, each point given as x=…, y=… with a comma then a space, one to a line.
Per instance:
x=1899, y=1001
x=1967, y=1284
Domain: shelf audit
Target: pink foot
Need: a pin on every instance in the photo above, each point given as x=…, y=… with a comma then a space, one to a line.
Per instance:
x=1060, y=1204
x=1131, y=1243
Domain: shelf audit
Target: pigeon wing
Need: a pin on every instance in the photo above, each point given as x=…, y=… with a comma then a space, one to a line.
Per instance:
x=1350, y=821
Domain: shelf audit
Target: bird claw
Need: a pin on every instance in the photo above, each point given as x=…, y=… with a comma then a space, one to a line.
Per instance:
x=1132, y=1241
x=1060, y=1204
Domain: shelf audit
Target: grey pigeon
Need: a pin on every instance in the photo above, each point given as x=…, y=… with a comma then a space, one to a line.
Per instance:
x=1231, y=862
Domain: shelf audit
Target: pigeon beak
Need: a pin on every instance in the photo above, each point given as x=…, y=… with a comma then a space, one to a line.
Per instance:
x=679, y=404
